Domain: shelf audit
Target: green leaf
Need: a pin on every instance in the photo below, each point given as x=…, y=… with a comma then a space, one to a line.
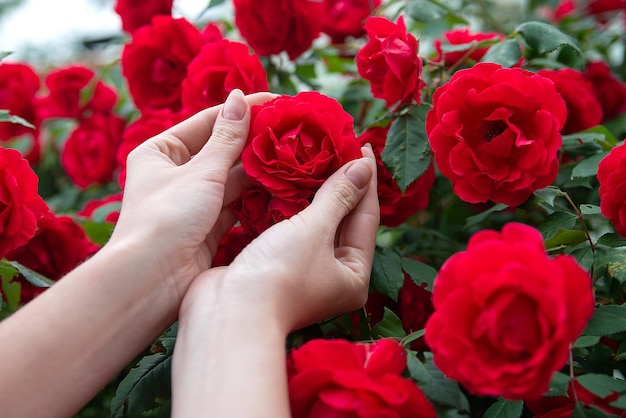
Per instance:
x=506, y=53
x=387, y=275
x=4, y=54
x=6, y=116
x=407, y=152
x=546, y=196
x=419, y=272
x=611, y=239
x=555, y=222
x=588, y=167
x=545, y=38
x=11, y=290
x=585, y=341
x=504, y=408
x=98, y=232
x=582, y=411
x=613, y=263
x=601, y=384
x=388, y=327
x=607, y=320
x=434, y=384
x=213, y=3
x=31, y=276
x=588, y=209
x=558, y=385
x=477, y=219
x=565, y=237
x=424, y=10
x=415, y=335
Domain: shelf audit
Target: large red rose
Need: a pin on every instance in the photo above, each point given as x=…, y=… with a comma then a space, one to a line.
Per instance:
x=610, y=91
x=274, y=26
x=612, y=179
x=495, y=133
x=20, y=203
x=19, y=84
x=337, y=378
x=137, y=13
x=296, y=142
x=73, y=91
x=506, y=313
x=88, y=155
x=219, y=68
x=583, y=109
x=59, y=245
x=344, y=18
x=463, y=36
x=155, y=61
x=395, y=206
x=390, y=63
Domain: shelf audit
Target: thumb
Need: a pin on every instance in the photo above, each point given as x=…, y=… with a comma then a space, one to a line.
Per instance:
x=228, y=137
x=342, y=192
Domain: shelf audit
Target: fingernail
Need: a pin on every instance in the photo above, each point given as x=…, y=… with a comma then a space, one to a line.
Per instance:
x=359, y=173
x=235, y=106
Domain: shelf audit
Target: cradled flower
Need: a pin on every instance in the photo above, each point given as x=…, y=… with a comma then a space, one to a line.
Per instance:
x=506, y=313
x=583, y=109
x=59, y=245
x=68, y=88
x=495, y=133
x=231, y=244
x=459, y=37
x=337, y=378
x=390, y=63
x=610, y=91
x=395, y=206
x=137, y=13
x=296, y=142
x=88, y=155
x=219, y=68
x=155, y=61
x=612, y=179
x=20, y=203
x=274, y=26
x=344, y=18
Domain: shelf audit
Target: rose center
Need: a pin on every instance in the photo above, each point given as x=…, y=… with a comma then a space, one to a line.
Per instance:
x=162, y=70
x=491, y=129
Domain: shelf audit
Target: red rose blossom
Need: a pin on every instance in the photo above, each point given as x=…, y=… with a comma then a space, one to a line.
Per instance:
x=274, y=26
x=231, y=245
x=219, y=68
x=610, y=91
x=506, y=313
x=20, y=203
x=395, y=206
x=343, y=18
x=137, y=13
x=88, y=155
x=342, y=379
x=459, y=37
x=612, y=179
x=390, y=63
x=599, y=7
x=155, y=61
x=583, y=109
x=495, y=133
x=67, y=88
x=59, y=245
x=296, y=142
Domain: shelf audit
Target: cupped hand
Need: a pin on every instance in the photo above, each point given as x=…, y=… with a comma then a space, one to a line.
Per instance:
x=178, y=185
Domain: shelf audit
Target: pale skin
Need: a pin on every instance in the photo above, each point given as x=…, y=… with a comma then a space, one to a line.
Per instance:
x=59, y=350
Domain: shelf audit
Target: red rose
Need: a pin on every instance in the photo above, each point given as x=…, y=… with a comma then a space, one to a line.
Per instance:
x=583, y=109
x=341, y=379
x=395, y=206
x=59, y=245
x=563, y=406
x=273, y=26
x=296, y=142
x=343, y=18
x=137, y=13
x=495, y=133
x=108, y=207
x=231, y=245
x=597, y=7
x=20, y=203
x=612, y=180
x=564, y=8
x=88, y=155
x=155, y=61
x=610, y=91
x=459, y=37
x=506, y=313
x=149, y=124
x=219, y=68
x=390, y=63
x=67, y=88
x=18, y=85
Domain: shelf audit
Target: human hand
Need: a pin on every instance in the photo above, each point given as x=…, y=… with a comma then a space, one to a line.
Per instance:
x=310, y=267
x=178, y=186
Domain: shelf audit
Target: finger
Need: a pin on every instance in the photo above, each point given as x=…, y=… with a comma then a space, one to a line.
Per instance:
x=237, y=182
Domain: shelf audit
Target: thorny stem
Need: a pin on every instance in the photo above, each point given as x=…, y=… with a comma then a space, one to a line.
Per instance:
x=582, y=220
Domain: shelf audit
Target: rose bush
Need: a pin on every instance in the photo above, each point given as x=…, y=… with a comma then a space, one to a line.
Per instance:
x=498, y=282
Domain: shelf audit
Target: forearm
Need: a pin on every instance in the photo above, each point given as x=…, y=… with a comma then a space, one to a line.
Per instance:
x=229, y=361
x=69, y=342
